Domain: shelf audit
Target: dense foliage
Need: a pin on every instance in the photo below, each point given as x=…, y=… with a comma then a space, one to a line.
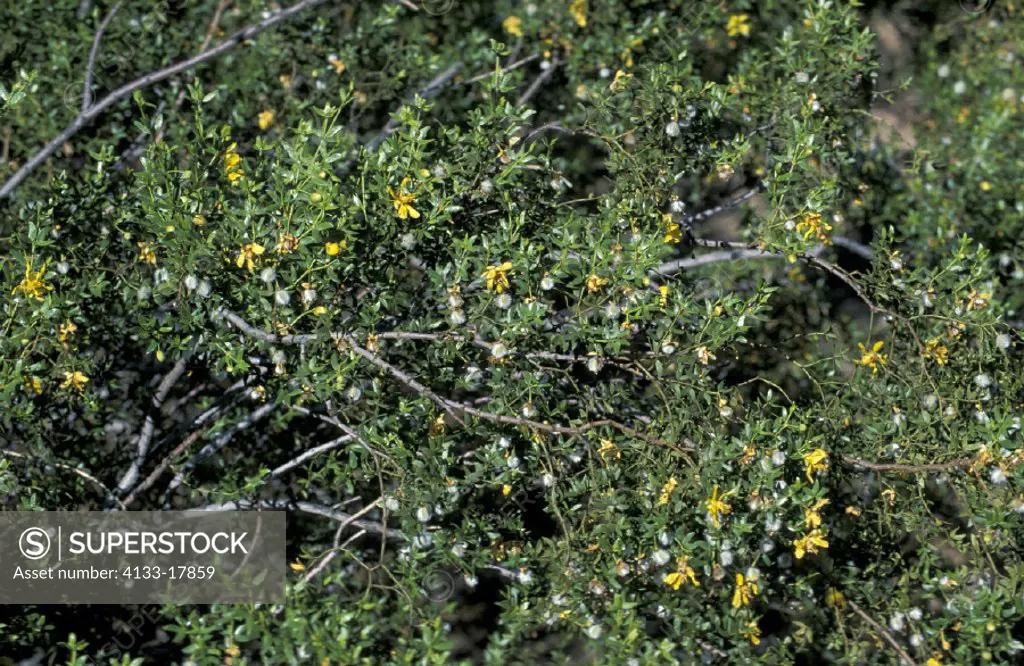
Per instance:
x=467, y=256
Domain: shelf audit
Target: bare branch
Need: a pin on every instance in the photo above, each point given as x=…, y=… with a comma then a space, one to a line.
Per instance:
x=93, y=52
x=142, y=445
x=310, y=508
x=429, y=91
x=908, y=468
x=309, y=453
x=711, y=212
x=452, y=407
x=885, y=634
x=75, y=470
x=537, y=83
x=504, y=70
x=215, y=446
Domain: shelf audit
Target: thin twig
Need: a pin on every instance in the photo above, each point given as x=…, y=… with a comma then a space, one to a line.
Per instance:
x=686, y=263
x=310, y=453
x=908, y=468
x=537, y=83
x=93, y=52
x=142, y=445
x=711, y=212
x=315, y=571
x=307, y=507
x=80, y=472
x=504, y=70
x=885, y=634
x=84, y=119
x=429, y=91
x=215, y=446
x=452, y=407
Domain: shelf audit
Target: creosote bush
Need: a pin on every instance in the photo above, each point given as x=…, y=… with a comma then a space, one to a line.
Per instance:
x=592, y=331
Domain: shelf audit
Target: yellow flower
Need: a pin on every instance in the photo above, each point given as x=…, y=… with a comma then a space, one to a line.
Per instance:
x=704, y=356
x=816, y=461
x=336, y=63
x=663, y=290
x=66, y=331
x=437, y=426
x=812, y=225
x=497, y=276
x=34, y=385
x=579, y=12
x=608, y=448
x=287, y=243
x=985, y=186
x=594, y=283
x=667, y=490
x=403, y=201
x=738, y=25
x=674, y=233
x=32, y=284
x=230, y=653
x=935, y=350
x=620, y=79
x=76, y=380
x=834, y=598
x=684, y=572
x=717, y=507
x=332, y=249
x=513, y=26
x=297, y=566
x=199, y=220
x=266, y=119
x=749, y=451
x=753, y=632
x=506, y=489
x=248, y=254
x=744, y=592
x=872, y=359
x=810, y=544
x=976, y=300
x=811, y=516
x=932, y=661
x=232, y=160
x=147, y=254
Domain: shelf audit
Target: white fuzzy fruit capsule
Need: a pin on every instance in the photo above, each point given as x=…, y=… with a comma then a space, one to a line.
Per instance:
x=268, y=275
x=423, y=514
